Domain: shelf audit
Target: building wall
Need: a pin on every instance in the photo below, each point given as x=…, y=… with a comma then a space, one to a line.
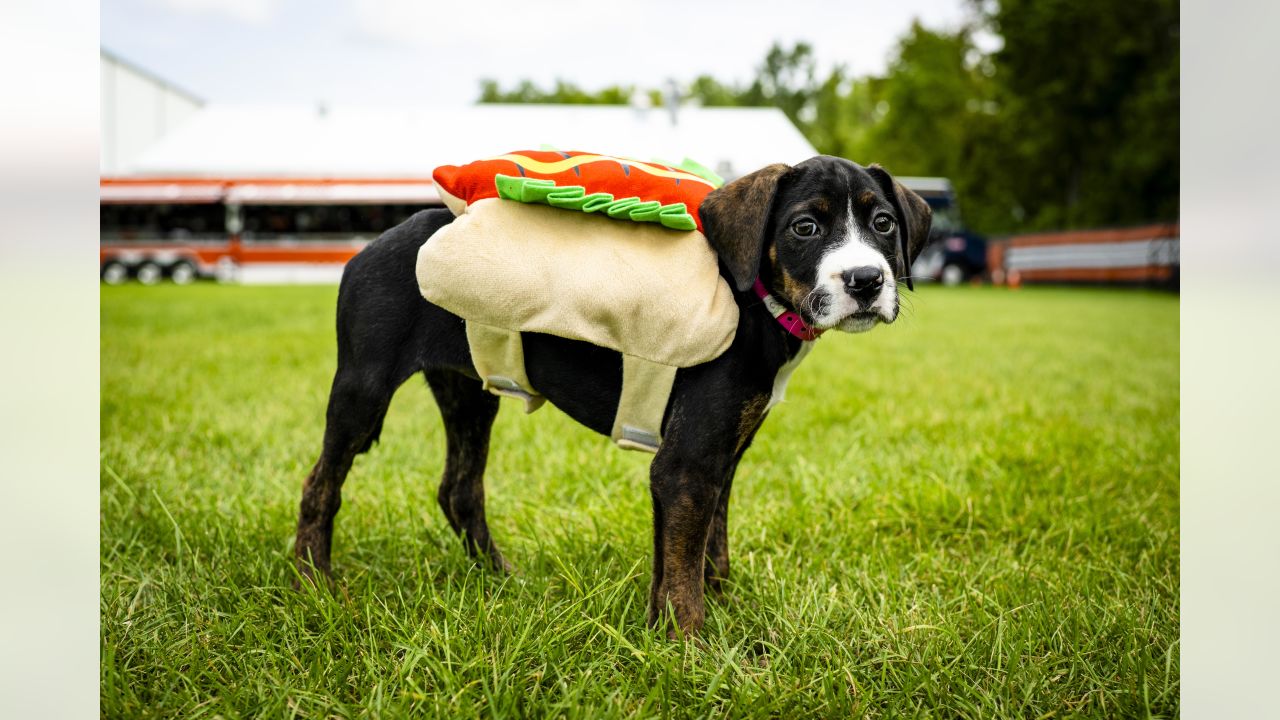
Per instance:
x=138, y=109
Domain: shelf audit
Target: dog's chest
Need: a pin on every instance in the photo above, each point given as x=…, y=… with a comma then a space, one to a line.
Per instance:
x=784, y=375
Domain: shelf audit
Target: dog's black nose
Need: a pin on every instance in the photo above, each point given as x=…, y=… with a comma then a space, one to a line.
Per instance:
x=863, y=282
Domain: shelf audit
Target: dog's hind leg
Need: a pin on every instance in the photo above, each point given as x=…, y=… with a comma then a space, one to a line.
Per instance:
x=468, y=412
x=385, y=335
x=358, y=403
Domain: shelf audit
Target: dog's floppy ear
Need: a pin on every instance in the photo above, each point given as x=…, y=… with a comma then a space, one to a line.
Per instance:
x=916, y=218
x=736, y=218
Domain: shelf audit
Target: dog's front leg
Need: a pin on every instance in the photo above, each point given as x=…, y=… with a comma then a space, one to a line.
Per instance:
x=685, y=482
x=684, y=501
x=717, y=563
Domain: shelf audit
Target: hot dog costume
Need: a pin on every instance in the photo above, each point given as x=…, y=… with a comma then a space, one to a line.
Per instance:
x=589, y=247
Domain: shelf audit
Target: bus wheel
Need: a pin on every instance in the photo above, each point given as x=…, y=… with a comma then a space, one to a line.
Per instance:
x=114, y=272
x=149, y=273
x=182, y=273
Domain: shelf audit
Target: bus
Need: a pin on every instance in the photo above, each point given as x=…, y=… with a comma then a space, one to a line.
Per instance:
x=251, y=230
x=1143, y=256
x=953, y=254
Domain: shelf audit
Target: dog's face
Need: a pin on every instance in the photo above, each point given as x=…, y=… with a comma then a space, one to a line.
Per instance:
x=828, y=236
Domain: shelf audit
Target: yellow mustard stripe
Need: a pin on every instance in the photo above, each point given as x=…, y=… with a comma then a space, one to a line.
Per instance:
x=551, y=168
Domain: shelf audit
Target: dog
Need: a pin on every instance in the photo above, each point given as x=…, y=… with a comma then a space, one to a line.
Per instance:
x=829, y=238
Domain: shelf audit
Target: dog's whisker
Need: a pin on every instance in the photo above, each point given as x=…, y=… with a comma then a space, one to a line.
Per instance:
x=821, y=308
x=807, y=301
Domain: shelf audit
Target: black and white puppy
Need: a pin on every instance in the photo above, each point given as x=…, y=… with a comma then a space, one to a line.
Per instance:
x=829, y=239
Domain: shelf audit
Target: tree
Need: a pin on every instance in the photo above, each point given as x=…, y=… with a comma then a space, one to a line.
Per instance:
x=787, y=81
x=922, y=111
x=563, y=92
x=933, y=113
x=713, y=93
x=1089, y=94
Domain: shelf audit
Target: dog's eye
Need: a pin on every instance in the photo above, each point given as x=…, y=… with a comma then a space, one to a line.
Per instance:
x=882, y=224
x=804, y=228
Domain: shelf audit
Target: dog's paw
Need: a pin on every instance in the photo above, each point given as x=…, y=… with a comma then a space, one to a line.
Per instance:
x=499, y=563
x=308, y=576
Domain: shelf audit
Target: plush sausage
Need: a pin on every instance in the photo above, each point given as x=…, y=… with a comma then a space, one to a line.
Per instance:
x=620, y=188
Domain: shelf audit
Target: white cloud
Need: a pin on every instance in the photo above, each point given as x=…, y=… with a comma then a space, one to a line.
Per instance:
x=251, y=12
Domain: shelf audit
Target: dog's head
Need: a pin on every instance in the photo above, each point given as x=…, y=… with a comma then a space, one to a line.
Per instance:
x=829, y=237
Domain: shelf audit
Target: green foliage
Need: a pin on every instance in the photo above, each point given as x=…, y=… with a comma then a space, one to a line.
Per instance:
x=712, y=92
x=562, y=93
x=934, y=90
x=1073, y=122
x=1090, y=100
x=972, y=513
x=786, y=81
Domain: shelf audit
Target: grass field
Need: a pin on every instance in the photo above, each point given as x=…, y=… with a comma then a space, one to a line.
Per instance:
x=971, y=513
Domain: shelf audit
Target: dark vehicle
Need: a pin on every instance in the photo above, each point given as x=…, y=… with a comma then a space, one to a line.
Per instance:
x=954, y=254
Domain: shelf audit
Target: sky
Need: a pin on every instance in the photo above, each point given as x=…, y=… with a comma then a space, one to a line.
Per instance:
x=407, y=53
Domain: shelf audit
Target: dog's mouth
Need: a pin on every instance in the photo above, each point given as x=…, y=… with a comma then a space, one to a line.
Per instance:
x=860, y=321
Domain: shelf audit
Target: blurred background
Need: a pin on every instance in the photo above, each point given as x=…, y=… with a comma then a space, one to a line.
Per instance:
x=266, y=141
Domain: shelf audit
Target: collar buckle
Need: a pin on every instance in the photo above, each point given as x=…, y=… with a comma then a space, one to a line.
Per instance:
x=790, y=320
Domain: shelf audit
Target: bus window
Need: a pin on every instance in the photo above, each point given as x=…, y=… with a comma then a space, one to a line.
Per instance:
x=152, y=221
x=322, y=222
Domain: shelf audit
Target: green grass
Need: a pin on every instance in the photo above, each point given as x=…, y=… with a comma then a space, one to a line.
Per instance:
x=971, y=513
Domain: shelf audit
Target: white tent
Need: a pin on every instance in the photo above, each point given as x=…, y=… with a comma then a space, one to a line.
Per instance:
x=266, y=141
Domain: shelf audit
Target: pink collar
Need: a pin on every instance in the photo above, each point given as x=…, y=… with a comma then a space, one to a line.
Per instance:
x=789, y=320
